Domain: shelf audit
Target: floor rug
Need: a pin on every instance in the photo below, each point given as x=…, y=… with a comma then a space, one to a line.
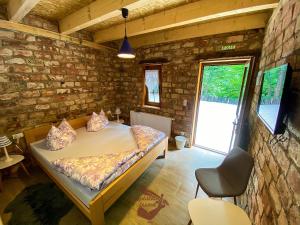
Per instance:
x=40, y=204
x=159, y=196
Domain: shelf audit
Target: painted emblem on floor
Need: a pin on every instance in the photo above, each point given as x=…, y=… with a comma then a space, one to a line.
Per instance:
x=150, y=204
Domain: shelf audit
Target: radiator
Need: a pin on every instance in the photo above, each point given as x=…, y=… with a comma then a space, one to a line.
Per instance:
x=157, y=122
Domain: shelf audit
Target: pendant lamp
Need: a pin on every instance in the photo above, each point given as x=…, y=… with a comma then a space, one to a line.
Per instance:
x=125, y=52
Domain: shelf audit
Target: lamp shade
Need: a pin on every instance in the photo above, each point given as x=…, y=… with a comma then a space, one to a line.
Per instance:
x=118, y=111
x=4, y=141
x=126, y=51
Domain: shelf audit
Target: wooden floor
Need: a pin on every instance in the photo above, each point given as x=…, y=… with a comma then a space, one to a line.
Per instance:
x=171, y=179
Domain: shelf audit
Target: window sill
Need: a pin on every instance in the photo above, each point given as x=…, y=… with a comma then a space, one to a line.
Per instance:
x=151, y=107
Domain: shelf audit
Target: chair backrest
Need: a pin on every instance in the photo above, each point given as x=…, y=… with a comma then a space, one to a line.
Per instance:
x=236, y=168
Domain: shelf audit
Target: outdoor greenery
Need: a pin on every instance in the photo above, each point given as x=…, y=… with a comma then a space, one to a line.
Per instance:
x=222, y=83
x=273, y=83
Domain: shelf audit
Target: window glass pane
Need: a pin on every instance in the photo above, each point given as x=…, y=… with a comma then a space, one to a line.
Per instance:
x=152, y=84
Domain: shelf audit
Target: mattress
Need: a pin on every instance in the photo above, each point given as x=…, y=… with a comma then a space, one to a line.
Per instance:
x=114, y=138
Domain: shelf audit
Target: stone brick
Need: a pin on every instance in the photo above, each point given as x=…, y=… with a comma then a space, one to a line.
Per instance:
x=6, y=52
x=294, y=217
x=39, y=69
x=28, y=101
x=289, y=31
x=30, y=94
x=285, y=194
x=22, y=69
x=288, y=47
x=267, y=173
x=30, y=39
x=4, y=78
x=293, y=149
x=20, y=52
x=63, y=91
x=48, y=92
x=188, y=44
x=76, y=107
x=15, y=61
x=275, y=197
x=51, y=63
x=6, y=34
x=3, y=69
x=35, y=85
x=236, y=38
x=32, y=47
x=42, y=100
x=282, y=220
x=283, y=160
x=42, y=107
x=35, y=115
x=293, y=179
x=9, y=96
x=67, y=84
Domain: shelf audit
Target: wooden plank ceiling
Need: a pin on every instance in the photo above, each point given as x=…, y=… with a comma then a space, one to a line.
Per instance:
x=149, y=22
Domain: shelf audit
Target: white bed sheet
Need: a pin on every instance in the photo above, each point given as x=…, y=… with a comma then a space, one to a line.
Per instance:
x=114, y=138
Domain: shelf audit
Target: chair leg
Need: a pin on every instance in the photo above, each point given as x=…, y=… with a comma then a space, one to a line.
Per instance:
x=234, y=198
x=25, y=169
x=197, y=190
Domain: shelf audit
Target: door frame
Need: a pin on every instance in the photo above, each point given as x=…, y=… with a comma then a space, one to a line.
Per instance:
x=221, y=61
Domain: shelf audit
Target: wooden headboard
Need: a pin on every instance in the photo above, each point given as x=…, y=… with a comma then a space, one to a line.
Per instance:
x=38, y=133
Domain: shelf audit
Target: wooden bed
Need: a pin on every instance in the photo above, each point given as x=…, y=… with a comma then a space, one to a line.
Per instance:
x=107, y=196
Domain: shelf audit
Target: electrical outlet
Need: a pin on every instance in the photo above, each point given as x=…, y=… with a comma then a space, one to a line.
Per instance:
x=17, y=136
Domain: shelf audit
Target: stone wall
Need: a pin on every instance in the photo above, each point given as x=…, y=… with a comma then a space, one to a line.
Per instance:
x=44, y=80
x=273, y=194
x=179, y=76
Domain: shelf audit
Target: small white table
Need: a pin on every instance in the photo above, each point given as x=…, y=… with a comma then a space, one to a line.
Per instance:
x=208, y=211
x=120, y=121
x=16, y=159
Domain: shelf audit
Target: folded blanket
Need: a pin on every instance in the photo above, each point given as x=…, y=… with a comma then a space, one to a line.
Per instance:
x=92, y=171
x=97, y=172
x=146, y=137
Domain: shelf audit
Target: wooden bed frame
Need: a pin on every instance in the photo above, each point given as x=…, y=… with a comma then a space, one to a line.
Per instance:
x=107, y=196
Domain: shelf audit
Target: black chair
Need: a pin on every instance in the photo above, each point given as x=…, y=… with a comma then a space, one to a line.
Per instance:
x=230, y=179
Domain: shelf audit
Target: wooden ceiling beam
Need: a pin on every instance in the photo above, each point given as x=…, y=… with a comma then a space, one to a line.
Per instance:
x=10, y=25
x=94, y=13
x=18, y=9
x=200, y=11
x=239, y=23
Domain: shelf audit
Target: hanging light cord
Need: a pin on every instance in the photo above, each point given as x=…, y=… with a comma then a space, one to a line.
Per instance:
x=125, y=27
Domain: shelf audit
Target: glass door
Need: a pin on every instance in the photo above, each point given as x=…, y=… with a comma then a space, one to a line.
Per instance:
x=221, y=97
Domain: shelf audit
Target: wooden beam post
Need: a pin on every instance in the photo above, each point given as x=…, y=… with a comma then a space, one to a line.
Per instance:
x=18, y=9
x=245, y=22
x=9, y=25
x=200, y=11
x=94, y=13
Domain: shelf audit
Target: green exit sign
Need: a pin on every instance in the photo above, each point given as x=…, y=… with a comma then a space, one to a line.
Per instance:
x=227, y=47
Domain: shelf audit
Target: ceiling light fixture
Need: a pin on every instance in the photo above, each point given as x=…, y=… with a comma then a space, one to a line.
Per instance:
x=126, y=52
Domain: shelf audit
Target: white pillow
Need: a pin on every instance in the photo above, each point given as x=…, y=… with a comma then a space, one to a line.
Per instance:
x=68, y=131
x=55, y=139
x=96, y=122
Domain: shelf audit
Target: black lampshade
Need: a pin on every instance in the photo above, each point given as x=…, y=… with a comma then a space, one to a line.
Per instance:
x=126, y=51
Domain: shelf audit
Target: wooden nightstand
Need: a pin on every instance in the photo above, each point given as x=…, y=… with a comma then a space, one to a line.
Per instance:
x=16, y=159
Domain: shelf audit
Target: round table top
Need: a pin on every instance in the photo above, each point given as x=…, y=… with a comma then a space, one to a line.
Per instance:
x=217, y=212
x=15, y=159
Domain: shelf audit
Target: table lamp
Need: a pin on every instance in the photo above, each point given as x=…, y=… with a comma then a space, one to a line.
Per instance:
x=118, y=112
x=4, y=142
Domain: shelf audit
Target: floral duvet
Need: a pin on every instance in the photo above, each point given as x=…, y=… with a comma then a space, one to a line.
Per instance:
x=96, y=172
